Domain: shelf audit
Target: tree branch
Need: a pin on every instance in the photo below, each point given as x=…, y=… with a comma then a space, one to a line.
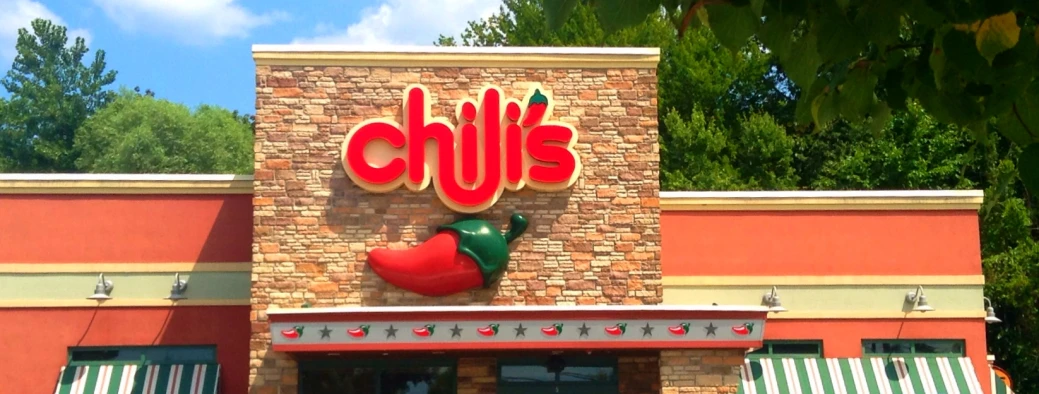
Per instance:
x=902, y=46
x=1022, y=121
x=694, y=6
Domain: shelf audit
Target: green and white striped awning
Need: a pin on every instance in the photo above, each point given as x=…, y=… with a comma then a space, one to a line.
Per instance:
x=139, y=379
x=879, y=375
x=998, y=386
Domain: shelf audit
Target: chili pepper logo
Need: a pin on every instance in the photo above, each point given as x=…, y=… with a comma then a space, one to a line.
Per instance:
x=467, y=254
x=489, y=331
x=553, y=330
x=617, y=329
x=359, y=332
x=536, y=108
x=743, y=329
x=680, y=329
x=424, y=331
x=293, y=333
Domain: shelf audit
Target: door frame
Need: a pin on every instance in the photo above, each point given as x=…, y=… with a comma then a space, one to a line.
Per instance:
x=379, y=365
x=607, y=387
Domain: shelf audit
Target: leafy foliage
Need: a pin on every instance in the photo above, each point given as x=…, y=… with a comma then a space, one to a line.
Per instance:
x=964, y=61
x=735, y=122
x=52, y=94
x=141, y=134
x=62, y=118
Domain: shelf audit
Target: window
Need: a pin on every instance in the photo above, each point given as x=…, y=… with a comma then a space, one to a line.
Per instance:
x=142, y=355
x=411, y=376
x=572, y=374
x=942, y=347
x=789, y=349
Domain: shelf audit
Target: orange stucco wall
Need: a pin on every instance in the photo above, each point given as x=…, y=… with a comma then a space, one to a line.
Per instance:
x=843, y=338
x=133, y=229
x=36, y=341
x=820, y=243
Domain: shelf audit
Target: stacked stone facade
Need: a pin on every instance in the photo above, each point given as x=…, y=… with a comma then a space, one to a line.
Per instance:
x=595, y=243
x=700, y=371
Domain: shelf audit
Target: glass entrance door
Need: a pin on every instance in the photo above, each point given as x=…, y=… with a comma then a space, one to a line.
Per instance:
x=379, y=376
x=557, y=374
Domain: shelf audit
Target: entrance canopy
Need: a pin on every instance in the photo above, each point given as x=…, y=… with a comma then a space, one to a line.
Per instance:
x=102, y=378
x=515, y=327
x=871, y=375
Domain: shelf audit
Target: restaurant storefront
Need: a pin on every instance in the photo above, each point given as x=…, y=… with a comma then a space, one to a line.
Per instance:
x=476, y=221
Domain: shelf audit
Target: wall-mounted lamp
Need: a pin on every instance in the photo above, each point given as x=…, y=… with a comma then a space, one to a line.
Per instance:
x=918, y=299
x=102, y=289
x=990, y=313
x=771, y=300
x=179, y=287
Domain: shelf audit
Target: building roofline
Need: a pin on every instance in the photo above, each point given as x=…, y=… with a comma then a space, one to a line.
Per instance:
x=432, y=56
x=669, y=201
x=822, y=200
x=125, y=184
x=517, y=309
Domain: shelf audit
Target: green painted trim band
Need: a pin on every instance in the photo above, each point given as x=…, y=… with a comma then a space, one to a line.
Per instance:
x=202, y=285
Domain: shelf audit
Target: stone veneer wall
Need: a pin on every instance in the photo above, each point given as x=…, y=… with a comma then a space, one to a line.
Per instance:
x=638, y=374
x=596, y=243
x=701, y=371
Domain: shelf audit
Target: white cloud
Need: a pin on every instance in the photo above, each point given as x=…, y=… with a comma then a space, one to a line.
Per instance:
x=406, y=22
x=20, y=13
x=193, y=22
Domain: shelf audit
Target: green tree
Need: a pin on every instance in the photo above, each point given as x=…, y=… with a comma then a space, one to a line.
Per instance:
x=138, y=133
x=713, y=127
x=52, y=94
x=964, y=61
x=703, y=90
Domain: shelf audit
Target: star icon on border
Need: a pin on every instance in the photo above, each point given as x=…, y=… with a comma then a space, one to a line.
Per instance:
x=584, y=330
x=456, y=332
x=391, y=332
x=326, y=333
x=521, y=331
x=711, y=329
x=647, y=330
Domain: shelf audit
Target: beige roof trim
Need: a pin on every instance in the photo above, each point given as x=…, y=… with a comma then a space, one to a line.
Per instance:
x=124, y=184
x=420, y=56
x=883, y=200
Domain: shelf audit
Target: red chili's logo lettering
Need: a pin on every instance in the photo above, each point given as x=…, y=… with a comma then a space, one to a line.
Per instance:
x=500, y=143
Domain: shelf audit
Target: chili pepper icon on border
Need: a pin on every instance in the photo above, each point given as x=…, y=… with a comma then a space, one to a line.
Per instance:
x=359, y=332
x=681, y=329
x=424, y=331
x=293, y=333
x=467, y=254
x=617, y=329
x=489, y=331
x=553, y=330
x=743, y=329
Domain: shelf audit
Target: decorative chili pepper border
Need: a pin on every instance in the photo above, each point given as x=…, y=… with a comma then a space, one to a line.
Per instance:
x=502, y=333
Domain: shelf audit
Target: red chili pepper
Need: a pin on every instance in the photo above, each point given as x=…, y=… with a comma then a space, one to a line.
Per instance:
x=680, y=329
x=489, y=331
x=536, y=108
x=743, y=329
x=464, y=255
x=617, y=330
x=359, y=332
x=292, y=333
x=424, y=331
x=553, y=330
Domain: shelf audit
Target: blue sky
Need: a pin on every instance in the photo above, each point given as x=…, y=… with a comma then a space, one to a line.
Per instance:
x=199, y=51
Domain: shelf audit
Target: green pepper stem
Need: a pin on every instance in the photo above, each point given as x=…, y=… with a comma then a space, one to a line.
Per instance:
x=517, y=225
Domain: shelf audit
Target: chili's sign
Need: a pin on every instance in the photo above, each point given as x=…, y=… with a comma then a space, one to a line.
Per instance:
x=499, y=143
